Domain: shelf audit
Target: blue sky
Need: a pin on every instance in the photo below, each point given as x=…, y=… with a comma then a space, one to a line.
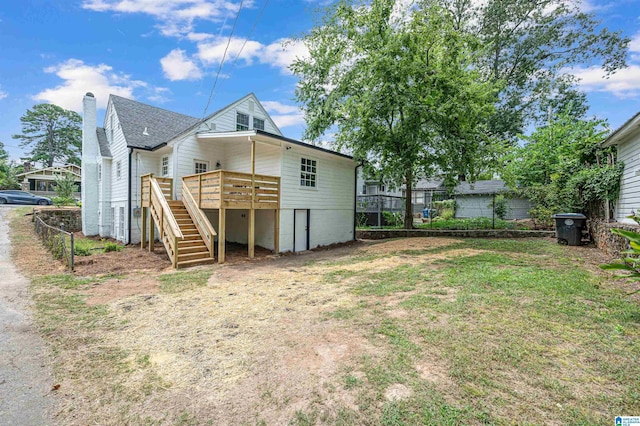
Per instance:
x=167, y=52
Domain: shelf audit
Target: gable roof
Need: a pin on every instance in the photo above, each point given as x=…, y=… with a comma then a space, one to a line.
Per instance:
x=49, y=171
x=622, y=131
x=481, y=187
x=148, y=127
x=103, y=143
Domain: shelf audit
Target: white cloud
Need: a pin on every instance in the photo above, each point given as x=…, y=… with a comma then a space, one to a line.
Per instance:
x=624, y=84
x=80, y=78
x=175, y=17
x=3, y=94
x=285, y=115
x=177, y=66
x=280, y=108
x=212, y=52
x=281, y=53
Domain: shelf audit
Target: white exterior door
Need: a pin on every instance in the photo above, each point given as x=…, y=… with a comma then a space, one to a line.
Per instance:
x=301, y=230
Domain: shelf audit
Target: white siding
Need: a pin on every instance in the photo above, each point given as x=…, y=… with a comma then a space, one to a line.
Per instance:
x=190, y=149
x=629, y=198
x=331, y=203
x=225, y=120
x=104, y=199
x=119, y=187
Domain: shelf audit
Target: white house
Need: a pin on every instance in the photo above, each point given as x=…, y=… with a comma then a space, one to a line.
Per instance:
x=627, y=139
x=234, y=173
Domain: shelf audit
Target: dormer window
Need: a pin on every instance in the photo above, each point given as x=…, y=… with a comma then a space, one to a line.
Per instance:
x=242, y=121
x=258, y=123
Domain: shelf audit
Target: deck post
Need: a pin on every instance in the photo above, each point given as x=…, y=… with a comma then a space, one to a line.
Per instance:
x=252, y=212
x=221, y=234
x=144, y=227
x=152, y=231
x=276, y=232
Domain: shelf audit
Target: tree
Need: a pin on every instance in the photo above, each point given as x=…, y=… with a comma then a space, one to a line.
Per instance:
x=531, y=46
x=562, y=167
x=8, y=171
x=53, y=133
x=400, y=90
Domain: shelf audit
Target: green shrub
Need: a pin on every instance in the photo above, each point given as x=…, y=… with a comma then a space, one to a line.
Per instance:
x=500, y=206
x=63, y=201
x=446, y=209
x=82, y=247
x=111, y=246
x=393, y=219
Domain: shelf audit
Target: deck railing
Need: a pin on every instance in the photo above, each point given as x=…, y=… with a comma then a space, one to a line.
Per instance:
x=163, y=217
x=166, y=187
x=233, y=190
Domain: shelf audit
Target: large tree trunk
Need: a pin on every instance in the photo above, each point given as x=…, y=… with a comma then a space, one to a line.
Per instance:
x=408, y=205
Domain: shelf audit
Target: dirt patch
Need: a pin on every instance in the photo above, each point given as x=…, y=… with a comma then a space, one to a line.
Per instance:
x=419, y=243
x=130, y=259
x=109, y=291
x=397, y=392
x=433, y=372
x=28, y=252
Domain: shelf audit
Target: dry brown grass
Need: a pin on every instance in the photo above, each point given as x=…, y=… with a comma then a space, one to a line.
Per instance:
x=357, y=334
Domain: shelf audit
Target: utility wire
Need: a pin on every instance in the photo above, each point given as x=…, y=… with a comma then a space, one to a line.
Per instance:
x=255, y=24
x=215, y=82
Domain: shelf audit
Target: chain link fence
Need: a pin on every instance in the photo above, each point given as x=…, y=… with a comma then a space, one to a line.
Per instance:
x=59, y=242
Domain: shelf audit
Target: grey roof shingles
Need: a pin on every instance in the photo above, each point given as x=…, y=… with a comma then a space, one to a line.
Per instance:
x=103, y=143
x=161, y=125
x=481, y=187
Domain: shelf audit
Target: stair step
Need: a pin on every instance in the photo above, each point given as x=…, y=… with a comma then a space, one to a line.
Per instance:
x=193, y=256
x=175, y=202
x=192, y=249
x=195, y=262
x=193, y=237
x=190, y=243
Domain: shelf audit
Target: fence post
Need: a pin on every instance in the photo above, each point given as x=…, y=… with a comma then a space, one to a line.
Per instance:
x=71, y=258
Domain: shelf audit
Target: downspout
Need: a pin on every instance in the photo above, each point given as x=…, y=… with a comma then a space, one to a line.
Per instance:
x=355, y=200
x=129, y=199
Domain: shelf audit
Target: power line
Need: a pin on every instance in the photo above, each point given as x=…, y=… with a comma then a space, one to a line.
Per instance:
x=255, y=24
x=224, y=55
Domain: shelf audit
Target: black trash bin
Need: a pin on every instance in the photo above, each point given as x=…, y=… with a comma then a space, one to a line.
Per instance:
x=569, y=228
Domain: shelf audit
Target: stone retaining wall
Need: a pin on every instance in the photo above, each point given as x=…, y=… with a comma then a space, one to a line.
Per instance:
x=69, y=217
x=380, y=234
x=605, y=240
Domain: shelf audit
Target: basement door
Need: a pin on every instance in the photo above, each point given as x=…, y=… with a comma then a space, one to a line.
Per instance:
x=301, y=230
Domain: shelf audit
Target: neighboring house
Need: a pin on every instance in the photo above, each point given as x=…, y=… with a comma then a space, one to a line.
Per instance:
x=476, y=200
x=244, y=181
x=472, y=199
x=42, y=182
x=627, y=140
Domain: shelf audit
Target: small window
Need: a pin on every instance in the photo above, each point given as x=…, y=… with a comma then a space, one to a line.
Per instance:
x=118, y=170
x=258, y=123
x=121, y=223
x=308, y=173
x=364, y=189
x=242, y=121
x=381, y=187
x=164, y=166
x=99, y=172
x=201, y=167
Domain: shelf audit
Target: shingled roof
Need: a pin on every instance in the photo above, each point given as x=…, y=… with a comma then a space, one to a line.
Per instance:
x=147, y=127
x=481, y=187
x=103, y=142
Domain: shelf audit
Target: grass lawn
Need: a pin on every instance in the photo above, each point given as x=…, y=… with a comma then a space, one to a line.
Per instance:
x=424, y=331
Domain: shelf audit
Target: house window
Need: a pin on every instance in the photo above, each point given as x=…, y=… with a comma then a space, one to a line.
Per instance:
x=201, y=166
x=381, y=187
x=99, y=172
x=308, y=173
x=242, y=121
x=258, y=123
x=118, y=170
x=364, y=189
x=164, y=166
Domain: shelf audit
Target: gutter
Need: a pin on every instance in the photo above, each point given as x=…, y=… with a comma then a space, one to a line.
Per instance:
x=129, y=200
x=355, y=200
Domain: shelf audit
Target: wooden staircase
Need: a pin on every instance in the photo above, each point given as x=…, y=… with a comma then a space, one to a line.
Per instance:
x=192, y=250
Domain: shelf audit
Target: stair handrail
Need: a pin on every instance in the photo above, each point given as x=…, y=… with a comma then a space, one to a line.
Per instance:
x=199, y=219
x=166, y=210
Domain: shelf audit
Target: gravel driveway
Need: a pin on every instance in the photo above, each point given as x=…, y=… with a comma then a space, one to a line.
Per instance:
x=25, y=376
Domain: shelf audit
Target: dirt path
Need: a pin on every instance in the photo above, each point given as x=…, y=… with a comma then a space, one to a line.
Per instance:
x=25, y=377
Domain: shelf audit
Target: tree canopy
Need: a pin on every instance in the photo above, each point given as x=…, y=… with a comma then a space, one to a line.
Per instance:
x=8, y=171
x=399, y=88
x=563, y=168
x=53, y=134
x=530, y=48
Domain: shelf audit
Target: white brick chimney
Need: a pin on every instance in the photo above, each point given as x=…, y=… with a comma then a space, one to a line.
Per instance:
x=90, y=155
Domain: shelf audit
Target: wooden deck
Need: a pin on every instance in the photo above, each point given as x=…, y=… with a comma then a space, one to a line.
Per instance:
x=222, y=189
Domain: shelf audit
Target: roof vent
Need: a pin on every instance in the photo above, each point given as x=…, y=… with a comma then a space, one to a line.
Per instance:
x=145, y=132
